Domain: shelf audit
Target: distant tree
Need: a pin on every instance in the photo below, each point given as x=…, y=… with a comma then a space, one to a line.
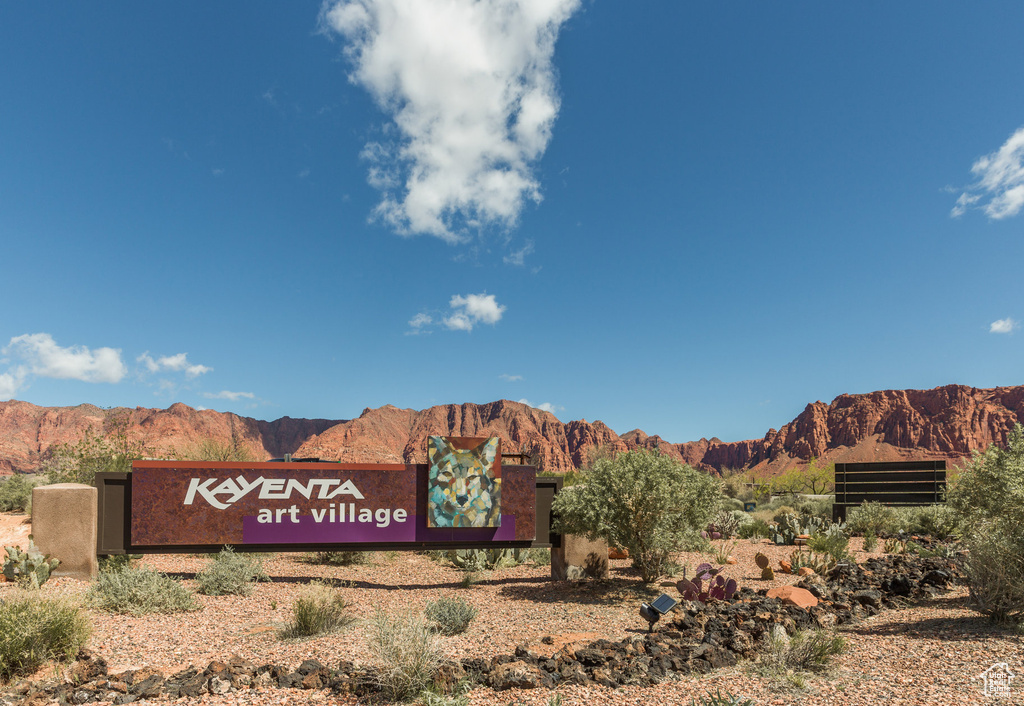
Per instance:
x=210, y=449
x=94, y=453
x=815, y=479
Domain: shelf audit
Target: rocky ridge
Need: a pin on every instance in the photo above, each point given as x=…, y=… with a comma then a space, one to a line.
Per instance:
x=890, y=425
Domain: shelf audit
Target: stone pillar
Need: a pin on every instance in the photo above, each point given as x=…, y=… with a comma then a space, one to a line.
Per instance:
x=579, y=557
x=64, y=525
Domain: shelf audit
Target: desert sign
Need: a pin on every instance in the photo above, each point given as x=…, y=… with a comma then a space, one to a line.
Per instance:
x=201, y=503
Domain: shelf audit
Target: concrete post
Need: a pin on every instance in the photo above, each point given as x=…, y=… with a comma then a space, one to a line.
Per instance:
x=579, y=557
x=64, y=525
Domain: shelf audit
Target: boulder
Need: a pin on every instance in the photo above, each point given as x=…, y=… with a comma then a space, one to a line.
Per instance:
x=791, y=595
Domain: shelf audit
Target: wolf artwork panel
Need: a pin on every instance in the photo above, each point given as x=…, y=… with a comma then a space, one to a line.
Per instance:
x=464, y=482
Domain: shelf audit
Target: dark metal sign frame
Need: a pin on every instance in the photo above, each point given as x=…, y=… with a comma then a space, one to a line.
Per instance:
x=115, y=525
x=901, y=484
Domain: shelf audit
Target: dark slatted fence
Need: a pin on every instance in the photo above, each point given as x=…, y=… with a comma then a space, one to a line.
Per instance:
x=901, y=484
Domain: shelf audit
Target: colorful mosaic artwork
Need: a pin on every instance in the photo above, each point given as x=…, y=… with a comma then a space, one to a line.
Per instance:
x=464, y=482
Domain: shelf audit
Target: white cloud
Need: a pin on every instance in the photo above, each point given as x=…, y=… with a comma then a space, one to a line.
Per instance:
x=510, y=378
x=217, y=171
x=519, y=256
x=10, y=383
x=472, y=309
x=418, y=323
x=177, y=363
x=1000, y=179
x=470, y=89
x=543, y=406
x=42, y=357
x=227, y=395
x=1003, y=326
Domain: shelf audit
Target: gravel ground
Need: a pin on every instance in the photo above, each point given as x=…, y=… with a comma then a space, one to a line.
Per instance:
x=925, y=654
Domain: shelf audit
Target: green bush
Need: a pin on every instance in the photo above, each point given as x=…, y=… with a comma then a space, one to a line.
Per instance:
x=754, y=529
x=16, y=493
x=875, y=518
x=138, y=591
x=407, y=652
x=345, y=558
x=319, y=609
x=452, y=615
x=210, y=449
x=232, y=574
x=34, y=630
x=987, y=501
x=641, y=501
x=938, y=521
x=833, y=542
x=109, y=451
x=995, y=570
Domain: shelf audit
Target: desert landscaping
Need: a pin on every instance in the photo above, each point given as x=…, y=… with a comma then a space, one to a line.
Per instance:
x=927, y=649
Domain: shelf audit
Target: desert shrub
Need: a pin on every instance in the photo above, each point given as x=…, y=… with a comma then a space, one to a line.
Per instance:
x=731, y=504
x=939, y=521
x=641, y=501
x=806, y=650
x=720, y=699
x=870, y=541
x=832, y=541
x=541, y=556
x=34, y=630
x=117, y=562
x=875, y=518
x=109, y=451
x=210, y=449
x=138, y=591
x=228, y=573
x=755, y=528
x=815, y=507
x=987, y=501
x=451, y=615
x=16, y=494
x=319, y=609
x=995, y=570
x=407, y=653
x=782, y=512
x=344, y=558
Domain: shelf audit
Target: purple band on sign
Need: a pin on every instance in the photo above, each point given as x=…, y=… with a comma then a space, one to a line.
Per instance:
x=414, y=529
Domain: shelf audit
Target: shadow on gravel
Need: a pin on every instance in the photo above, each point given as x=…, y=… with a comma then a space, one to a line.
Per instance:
x=612, y=591
x=963, y=629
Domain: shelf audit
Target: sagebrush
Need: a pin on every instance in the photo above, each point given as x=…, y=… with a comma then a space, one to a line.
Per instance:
x=407, y=654
x=451, y=615
x=35, y=630
x=138, y=591
x=319, y=609
x=228, y=573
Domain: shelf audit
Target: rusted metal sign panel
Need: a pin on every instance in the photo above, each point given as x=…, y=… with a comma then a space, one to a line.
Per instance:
x=202, y=503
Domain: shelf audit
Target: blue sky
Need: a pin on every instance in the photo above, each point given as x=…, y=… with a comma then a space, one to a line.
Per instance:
x=688, y=218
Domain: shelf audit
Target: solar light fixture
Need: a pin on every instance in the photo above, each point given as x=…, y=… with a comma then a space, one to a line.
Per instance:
x=652, y=612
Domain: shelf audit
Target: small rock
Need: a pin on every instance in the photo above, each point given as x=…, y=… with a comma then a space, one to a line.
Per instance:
x=219, y=686
x=806, y=571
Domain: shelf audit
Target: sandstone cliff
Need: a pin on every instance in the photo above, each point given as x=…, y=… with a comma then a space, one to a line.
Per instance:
x=947, y=422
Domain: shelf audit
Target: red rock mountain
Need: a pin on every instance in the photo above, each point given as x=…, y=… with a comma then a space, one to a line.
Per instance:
x=947, y=422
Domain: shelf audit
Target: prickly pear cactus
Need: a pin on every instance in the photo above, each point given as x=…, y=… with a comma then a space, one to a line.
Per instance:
x=29, y=568
x=762, y=561
x=767, y=573
x=486, y=559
